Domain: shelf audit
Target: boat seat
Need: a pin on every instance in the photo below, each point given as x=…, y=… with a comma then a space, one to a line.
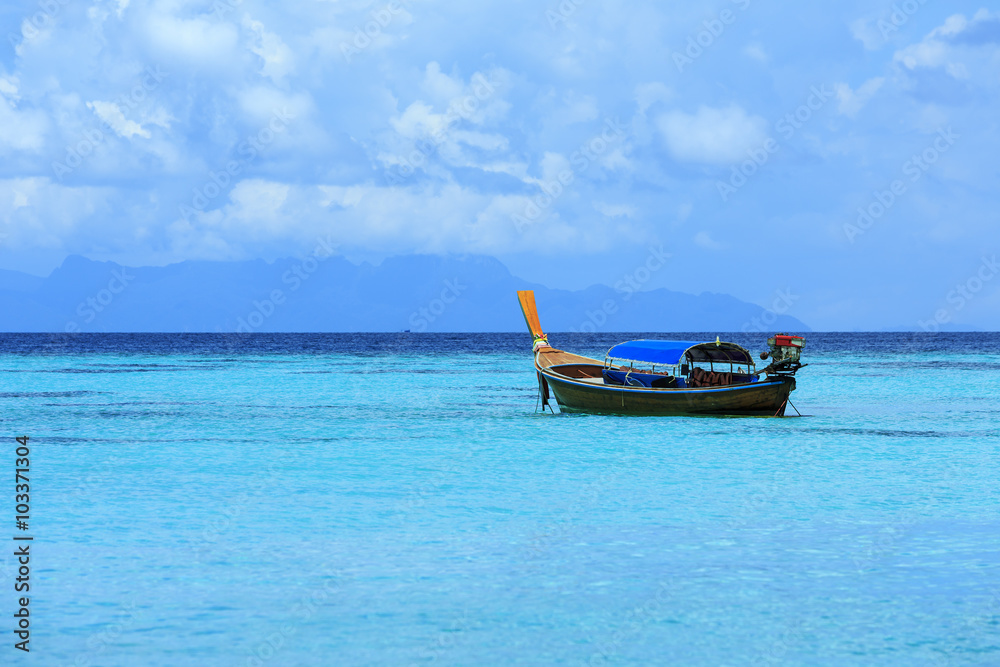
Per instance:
x=613, y=377
x=702, y=378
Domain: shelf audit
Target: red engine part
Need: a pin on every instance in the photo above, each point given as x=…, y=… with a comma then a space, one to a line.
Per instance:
x=784, y=348
x=784, y=340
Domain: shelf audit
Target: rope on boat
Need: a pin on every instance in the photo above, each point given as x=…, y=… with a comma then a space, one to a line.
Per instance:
x=781, y=410
x=794, y=408
x=543, y=389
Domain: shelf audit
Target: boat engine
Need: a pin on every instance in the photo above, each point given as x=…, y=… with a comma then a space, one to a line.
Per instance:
x=785, y=354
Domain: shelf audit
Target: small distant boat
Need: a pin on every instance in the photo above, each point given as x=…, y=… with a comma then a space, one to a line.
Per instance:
x=661, y=377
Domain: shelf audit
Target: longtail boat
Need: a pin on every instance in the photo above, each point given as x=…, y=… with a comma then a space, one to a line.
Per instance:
x=661, y=377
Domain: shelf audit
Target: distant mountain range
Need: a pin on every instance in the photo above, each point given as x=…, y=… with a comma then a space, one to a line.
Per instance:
x=415, y=292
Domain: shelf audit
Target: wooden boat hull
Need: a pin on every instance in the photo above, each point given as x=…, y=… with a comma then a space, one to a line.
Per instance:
x=586, y=393
x=766, y=398
x=578, y=385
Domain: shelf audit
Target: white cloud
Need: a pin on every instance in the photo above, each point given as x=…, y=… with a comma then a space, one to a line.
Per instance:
x=852, y=101
x=958, y=70
x=18, y=193
x=614, y=210
x=22, y=130
x=201, y=43
x=867, y=34
x=226, y=78
x=261, y=103
x=37, y=35
x=277, y=57
x=704, y=240
x=939, y=49
x=19, y=130
x=440, y=87
x=577, y=109
x=422, y=137
x=554, y=164
x=954, y=25
x=39, y=213
x=928, y=53
x=344, y=197
x=488, y=142
x=617, y=159
x=158, y=116
x=256, y=207
x=756, y=51
x=713, y=136
x=460, y=102
x=648, y=94
x=425, y=218
x=518, y=170
x=8, y=88
x=111, y=114
x=418, y=120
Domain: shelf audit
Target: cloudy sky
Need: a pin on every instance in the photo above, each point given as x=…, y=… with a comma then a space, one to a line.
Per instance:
x=845, y=151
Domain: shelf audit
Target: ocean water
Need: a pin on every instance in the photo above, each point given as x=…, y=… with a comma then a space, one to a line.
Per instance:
x=397, y=500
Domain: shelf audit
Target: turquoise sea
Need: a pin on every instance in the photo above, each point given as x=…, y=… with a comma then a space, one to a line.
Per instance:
x=397, y=500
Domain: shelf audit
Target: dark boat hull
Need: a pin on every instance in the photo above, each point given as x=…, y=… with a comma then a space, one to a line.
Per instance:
x=766, y=398
x=580, y=384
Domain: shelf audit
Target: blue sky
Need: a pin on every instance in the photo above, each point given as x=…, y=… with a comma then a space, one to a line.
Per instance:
x=845, y=153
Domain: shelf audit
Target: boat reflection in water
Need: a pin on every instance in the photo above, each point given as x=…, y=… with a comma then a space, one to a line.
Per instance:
x=659, y=377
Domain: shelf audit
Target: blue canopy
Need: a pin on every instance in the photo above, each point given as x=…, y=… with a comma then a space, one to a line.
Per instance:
x=671, y=352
